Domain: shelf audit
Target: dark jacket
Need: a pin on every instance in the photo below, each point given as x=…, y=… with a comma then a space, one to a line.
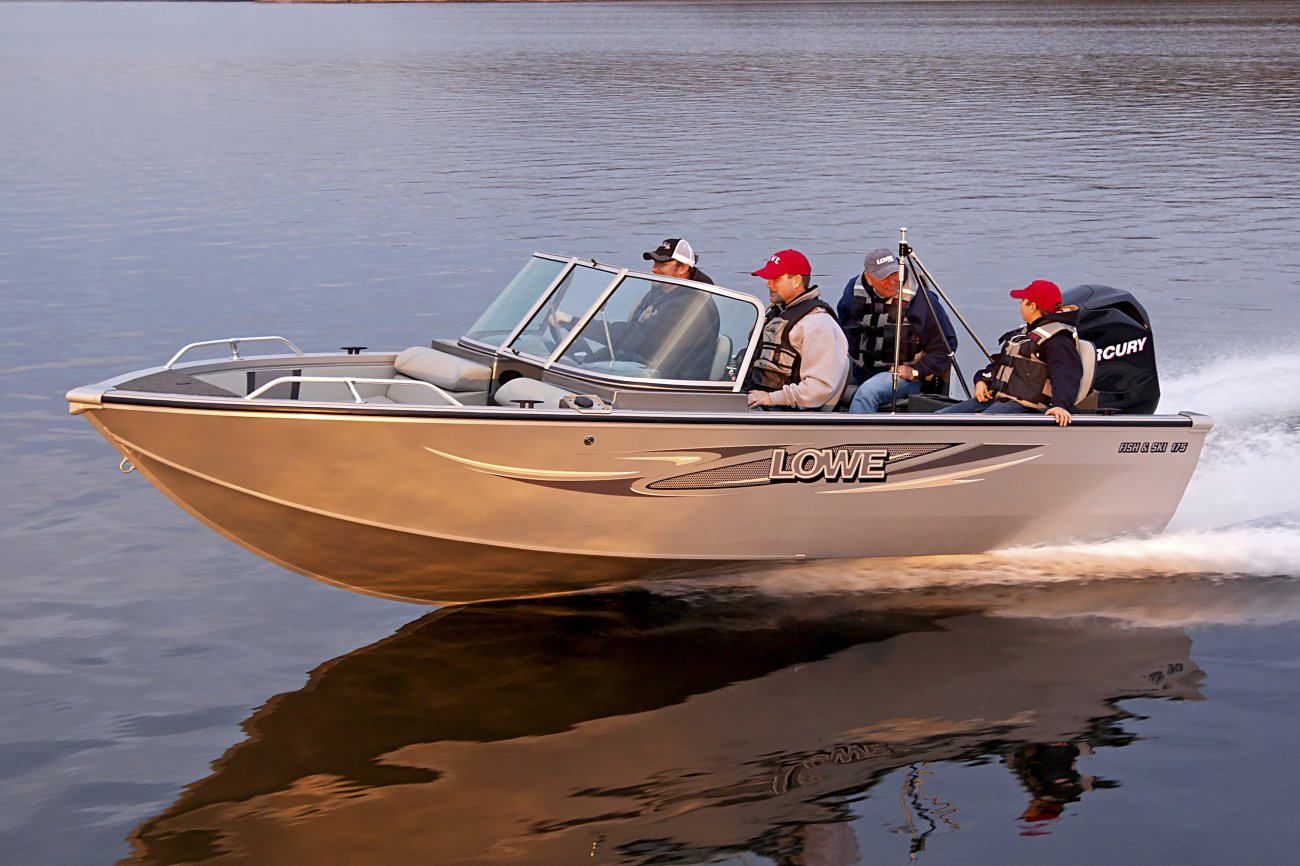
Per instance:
x=675, y=332
x=699, y=276
x=932, y=333
x=1060, y=353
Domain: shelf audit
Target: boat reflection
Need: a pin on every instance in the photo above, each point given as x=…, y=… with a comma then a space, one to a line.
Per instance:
x=632, y=727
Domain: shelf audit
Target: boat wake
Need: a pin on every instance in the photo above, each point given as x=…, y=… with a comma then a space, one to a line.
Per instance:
x=1251, y=461
x=1240, y=517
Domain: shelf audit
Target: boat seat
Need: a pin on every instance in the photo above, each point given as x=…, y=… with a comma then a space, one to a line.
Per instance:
x=465, y=380
x=442, y=369
x=542, y=394
x=412, y=394
x=1088, y=357
x=721, y=355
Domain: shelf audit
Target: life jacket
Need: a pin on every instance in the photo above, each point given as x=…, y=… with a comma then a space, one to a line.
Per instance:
x=871, y=330
x=1021, y=375
x=776, y=363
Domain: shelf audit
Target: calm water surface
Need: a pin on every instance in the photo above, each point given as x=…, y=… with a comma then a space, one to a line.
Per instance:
x=373, y=174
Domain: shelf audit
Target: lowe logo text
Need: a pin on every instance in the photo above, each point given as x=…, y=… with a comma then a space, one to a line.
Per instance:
x=831, y=464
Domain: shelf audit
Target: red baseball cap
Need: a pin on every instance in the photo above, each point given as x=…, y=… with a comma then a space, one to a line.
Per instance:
x=785, y=262
x=1040, y=293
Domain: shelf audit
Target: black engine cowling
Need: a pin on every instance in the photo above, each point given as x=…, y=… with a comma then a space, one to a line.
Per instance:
x=1113, y=321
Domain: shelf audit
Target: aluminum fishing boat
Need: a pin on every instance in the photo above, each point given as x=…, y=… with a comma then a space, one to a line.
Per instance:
x=548, y=451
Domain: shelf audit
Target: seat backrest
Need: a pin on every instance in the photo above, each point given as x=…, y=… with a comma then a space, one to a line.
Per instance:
x=1087, y=357
x=446, y=371
x=721, y=355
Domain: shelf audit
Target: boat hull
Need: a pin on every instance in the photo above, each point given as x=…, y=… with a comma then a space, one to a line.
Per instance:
x=471, y=505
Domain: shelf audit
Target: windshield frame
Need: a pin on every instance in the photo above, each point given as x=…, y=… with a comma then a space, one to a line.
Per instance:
x=617, y=276
x=537, y=304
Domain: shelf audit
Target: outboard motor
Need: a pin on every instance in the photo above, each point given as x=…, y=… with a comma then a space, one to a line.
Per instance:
x=1117, y=325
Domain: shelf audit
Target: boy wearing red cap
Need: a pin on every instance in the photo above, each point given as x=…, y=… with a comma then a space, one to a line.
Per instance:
x=1038, y=368
x=802, y=360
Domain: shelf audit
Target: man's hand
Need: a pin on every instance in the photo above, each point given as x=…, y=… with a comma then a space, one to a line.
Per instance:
x=758, y=398
x=904, y=372
x=982, y=392
x=1062, y=417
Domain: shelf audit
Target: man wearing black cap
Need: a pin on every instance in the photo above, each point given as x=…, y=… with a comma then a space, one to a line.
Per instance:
x=868, y=312
x=673, y=328
x=675, y=258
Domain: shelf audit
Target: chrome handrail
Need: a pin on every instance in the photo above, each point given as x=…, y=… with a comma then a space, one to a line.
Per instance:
x=233, y=342
x=352, y=382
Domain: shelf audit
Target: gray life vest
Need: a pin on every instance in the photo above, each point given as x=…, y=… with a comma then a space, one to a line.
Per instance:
x=871, y=329
x=776, y=363
x=1021, y=375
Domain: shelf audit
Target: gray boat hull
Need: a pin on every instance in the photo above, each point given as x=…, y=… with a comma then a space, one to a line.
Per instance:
x=459, y=504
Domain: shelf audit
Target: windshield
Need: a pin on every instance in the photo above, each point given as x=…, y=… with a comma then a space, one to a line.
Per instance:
x=573, y=297
x=500, y=319
x=663, y=330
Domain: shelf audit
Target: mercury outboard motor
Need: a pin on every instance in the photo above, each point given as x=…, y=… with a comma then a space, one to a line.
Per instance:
x=1117, y=325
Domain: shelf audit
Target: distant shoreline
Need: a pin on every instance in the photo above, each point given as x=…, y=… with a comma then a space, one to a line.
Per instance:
x=435, y=1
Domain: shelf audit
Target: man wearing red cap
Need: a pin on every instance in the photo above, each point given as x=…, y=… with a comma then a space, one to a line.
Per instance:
x=803, y=358
x=1038, y=368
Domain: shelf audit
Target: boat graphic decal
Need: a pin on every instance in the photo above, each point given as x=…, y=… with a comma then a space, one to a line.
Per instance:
x=960, y=477
x=848, y=468
x=965, y=457
x=523, y=473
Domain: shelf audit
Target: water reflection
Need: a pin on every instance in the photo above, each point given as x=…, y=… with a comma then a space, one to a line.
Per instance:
x=638, y=728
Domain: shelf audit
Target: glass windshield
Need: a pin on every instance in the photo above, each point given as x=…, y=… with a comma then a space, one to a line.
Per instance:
x=570, y=301
x=664, y=330
x=514, y=302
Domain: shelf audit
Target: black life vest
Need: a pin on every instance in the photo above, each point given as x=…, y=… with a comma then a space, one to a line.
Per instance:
x=1021, y=375
x=871, y=330
x=776, y=363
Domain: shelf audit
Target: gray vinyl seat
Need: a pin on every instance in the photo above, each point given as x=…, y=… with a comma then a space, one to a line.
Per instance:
x=463, y=379
x=1088, y=357
x=521, y=392
x=721, y=357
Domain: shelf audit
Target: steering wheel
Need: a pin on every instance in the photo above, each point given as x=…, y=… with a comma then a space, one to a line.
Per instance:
x=552, y=334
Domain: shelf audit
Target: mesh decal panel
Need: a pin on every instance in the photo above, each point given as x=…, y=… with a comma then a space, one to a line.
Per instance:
x=729, y=476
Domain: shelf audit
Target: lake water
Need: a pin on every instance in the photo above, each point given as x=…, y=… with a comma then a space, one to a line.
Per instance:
x=373, y=174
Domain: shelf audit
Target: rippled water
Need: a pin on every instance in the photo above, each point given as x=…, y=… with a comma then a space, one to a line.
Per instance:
x=372, y=174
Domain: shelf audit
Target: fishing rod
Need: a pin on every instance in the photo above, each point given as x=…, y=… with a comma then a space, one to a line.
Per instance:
x=899, y=301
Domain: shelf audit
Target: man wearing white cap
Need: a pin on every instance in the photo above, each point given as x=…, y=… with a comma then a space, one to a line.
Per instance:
x=672, y=327
x=675, y=258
